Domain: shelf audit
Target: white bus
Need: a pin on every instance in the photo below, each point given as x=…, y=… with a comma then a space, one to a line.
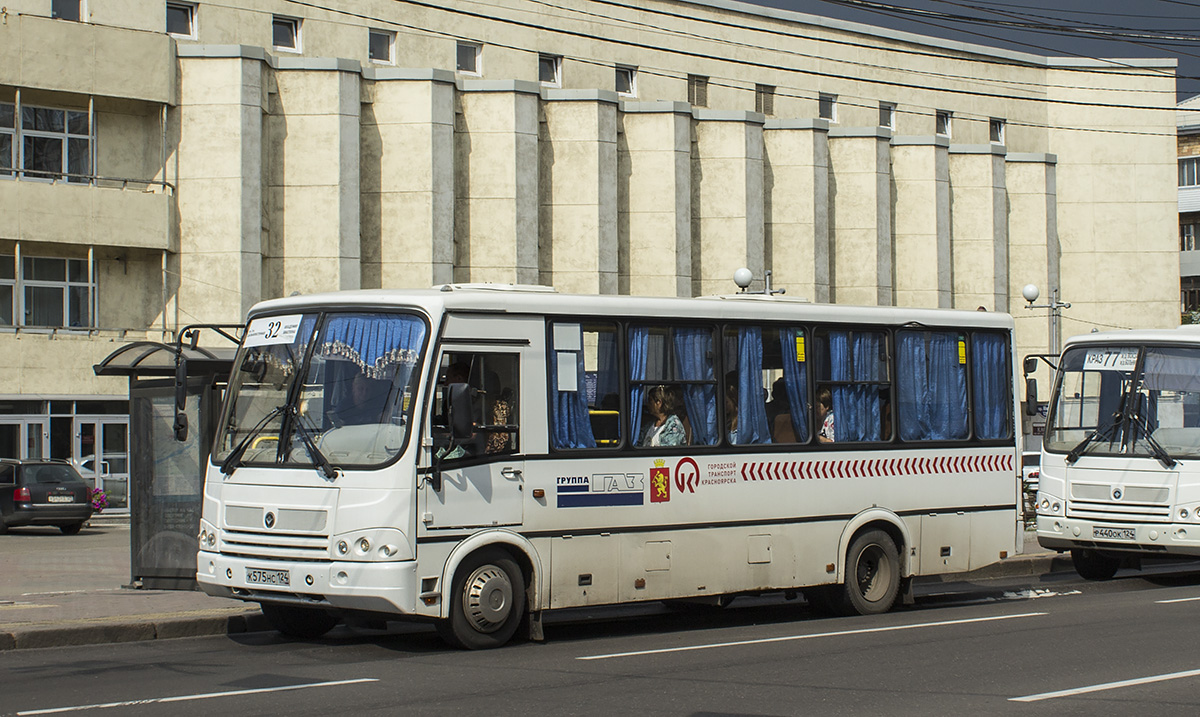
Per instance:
x=476, y=455
x=1116, y=479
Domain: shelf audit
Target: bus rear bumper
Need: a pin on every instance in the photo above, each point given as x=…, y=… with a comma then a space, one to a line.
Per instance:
x=1059, y=533
x=383, y=587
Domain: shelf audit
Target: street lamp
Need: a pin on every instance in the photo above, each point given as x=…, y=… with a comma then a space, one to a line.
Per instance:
x=1030, y=292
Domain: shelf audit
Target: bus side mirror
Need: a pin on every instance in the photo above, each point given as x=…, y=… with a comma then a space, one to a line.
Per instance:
x=1030, y=364
x=458, y=410
x=1031, y=397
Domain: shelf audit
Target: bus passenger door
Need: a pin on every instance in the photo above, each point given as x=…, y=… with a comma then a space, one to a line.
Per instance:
x=475, y=433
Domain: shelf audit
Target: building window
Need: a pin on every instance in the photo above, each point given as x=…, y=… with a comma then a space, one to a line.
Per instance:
x=550, y=70
x=764, y=99
x=53, y=293
x=53, y=143
x=1188, y=233
x=996, y=129
x=67, y=10
x=8, y=138
x=827, y=107
x=698, y=90
x=942, y=123
x=181, y=19
x=1189, y=172
x=285, y=33
x=1189, y=294
x=887, y=115
x=626, y=81
x=467, y=58
x=380, y=47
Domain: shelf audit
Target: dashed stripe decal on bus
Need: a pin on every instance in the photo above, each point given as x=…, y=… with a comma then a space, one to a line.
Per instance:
x=801, y=470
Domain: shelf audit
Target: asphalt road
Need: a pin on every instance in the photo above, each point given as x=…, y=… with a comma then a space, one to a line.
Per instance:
x=1004, y=648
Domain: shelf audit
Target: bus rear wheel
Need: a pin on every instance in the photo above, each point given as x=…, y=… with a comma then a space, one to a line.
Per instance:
x=487, y=601
x=1093, y=565
x=872, y=577
x=305, y=623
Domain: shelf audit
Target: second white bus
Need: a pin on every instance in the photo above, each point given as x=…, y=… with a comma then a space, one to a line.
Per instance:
x=477, y=455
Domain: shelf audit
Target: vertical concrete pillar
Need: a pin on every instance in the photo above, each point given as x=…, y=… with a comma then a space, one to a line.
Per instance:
x=1032, y=244
x=655, y=196
x=979, y=227
x=314, y=176
x=578, y=188
x=219, y=195
x=407, y=159
x=921, y=221
x=496, y=206
x=860, y=196
x=796, y=221
x=727, y=199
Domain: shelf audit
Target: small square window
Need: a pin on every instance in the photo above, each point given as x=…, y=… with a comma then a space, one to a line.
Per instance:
x=996, y=130
x=698, y=90
x=887, y=115
x=764, y=99
x=827, y=107
x=550, y=70
x=67, y=10
x=285, y=33
x=627, y=81
x=942, y=123
x=181, y=19
x=380, y=46
x=468, y=56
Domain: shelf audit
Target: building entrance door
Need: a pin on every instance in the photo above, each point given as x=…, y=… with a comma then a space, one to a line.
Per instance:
x=23, y=438
x=102, y=453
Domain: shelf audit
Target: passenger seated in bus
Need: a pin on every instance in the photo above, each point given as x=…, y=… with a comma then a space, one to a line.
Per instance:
x=666, y=429
x=779, y=401
x=825, y=416
x=731, y=407
x=501, y=415
x=362, y=403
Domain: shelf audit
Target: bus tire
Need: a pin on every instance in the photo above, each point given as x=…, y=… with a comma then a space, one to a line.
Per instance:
x=487, y=601
x=872, y=575
x=1094, y=565
x=305, y=623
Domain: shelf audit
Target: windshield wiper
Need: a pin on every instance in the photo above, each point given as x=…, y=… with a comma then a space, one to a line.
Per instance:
x=233, y=461
x=327, y=469
x=1156, y=448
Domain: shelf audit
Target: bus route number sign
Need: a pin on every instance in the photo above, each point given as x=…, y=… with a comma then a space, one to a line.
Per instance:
x=273, y=330
x=1122, y=359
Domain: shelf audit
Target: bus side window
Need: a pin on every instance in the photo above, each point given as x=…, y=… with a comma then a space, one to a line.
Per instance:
x=931, y=385
x=853, y=365
x=585, y=384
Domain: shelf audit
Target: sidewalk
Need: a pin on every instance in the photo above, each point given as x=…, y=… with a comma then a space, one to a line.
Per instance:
x=58, y=590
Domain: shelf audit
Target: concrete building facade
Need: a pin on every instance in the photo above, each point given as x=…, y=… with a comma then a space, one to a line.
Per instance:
x=169, y=163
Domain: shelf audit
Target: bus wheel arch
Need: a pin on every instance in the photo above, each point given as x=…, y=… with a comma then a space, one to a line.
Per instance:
x=490, y=583
x=872, y=566
x=876, y=519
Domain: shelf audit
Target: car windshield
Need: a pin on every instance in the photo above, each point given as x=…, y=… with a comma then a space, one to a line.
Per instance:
x=341, y=383
x=50, y=473
x=1127, y=400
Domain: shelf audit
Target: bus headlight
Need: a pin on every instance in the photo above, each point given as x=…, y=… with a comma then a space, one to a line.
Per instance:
x=1048, y=504
x=207, y=538
x=373, y=544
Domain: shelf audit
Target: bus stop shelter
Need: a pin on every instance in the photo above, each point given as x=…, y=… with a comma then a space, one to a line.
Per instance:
x=170, y=435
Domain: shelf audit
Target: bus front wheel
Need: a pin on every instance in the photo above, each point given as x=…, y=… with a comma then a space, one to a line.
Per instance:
x=872, y=576
x=305, y=623
x=487, y=601
x=1093, y=565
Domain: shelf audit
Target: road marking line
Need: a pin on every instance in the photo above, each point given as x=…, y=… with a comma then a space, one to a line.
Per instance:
x=1105, y=686
x=788, y=638
x=1168, y=602
x=188, y=698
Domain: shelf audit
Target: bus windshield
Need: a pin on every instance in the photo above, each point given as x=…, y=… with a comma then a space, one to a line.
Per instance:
x=1127, y=400
x=312, y=389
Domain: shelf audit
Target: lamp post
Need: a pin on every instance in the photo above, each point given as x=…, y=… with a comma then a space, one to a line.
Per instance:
x=1030, y=292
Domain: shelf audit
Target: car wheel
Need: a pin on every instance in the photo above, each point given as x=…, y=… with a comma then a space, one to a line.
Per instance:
x=3, y=526
x=71, y=529
x=306, y=623
x=487, y=601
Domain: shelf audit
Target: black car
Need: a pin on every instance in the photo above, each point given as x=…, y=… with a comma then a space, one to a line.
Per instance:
x=43, y=492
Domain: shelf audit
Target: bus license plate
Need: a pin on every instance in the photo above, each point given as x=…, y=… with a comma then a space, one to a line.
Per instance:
x=259, y=576
x=1113, y=533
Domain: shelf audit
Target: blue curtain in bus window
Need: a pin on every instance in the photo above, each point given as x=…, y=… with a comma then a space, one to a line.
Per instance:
x=989, y=371
x=693, y=352
x=639, y=341
x=384, y=346
x=931, y=387
x=857, y=409
x=571, y=424
x=795, y=372
x=752, y=411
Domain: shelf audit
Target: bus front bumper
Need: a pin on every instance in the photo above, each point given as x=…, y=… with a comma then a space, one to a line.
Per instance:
x=1059, y=533
x=381, y=587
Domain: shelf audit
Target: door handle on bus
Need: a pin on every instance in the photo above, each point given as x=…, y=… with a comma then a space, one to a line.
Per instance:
x=511, y=473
